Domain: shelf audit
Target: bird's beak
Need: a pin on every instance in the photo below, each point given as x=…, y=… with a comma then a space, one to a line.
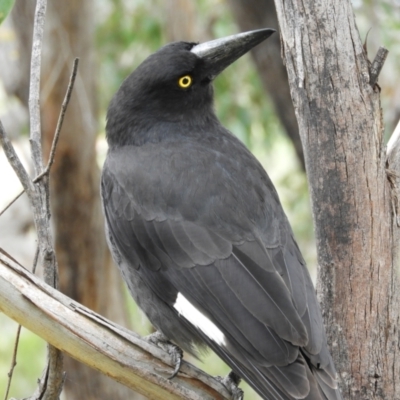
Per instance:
x=218, y=54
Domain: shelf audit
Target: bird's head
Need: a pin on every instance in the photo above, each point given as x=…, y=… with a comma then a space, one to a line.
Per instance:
x=171, y=86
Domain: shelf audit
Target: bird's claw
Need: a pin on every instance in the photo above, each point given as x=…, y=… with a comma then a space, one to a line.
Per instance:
x=158, y=339
x=177, y=356
x=231, y=382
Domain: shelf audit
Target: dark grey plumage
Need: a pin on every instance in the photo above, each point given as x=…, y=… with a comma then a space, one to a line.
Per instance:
x=190, y=210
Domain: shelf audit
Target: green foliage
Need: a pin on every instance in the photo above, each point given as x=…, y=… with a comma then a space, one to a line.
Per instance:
x=5, y=8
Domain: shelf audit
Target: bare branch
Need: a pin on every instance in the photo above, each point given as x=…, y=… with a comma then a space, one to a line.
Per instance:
x=12, y=202
x=35, y=260
x=97, y=342
x=13, y=362
x=34, y=88
x=60, y=121
x=10, y=152
x=40, y=205
x=52, y=381
x=16, y=164
x=18, y=334
x=377, y=65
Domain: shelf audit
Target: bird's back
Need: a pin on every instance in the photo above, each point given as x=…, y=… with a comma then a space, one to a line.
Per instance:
x=205, y=221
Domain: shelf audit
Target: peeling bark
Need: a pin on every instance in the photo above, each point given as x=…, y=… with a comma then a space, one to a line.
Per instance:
x=340, y=121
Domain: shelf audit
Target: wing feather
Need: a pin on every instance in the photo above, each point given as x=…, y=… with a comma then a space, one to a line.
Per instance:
x=249, y=280
x=267, y=296
x=207, y=289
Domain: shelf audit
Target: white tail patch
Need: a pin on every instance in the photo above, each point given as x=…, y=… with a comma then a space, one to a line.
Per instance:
x=194, y=316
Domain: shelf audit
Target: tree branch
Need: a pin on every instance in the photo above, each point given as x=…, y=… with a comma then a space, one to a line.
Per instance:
x=60, y=121
x=34, y=87
x=97, y=342
x=13, y=361
x=377, y=65
x=16, y=164
x=13, y=158
x=51, y=383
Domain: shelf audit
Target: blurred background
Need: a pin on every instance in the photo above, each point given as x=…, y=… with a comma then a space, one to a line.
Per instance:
x=112, y=37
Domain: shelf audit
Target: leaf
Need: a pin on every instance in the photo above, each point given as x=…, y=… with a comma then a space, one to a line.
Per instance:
x=5, y=7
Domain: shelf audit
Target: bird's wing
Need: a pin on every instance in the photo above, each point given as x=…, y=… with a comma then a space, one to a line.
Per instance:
x=249, y=282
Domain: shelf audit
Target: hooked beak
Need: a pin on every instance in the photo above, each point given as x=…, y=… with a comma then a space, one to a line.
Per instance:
x=220, y=53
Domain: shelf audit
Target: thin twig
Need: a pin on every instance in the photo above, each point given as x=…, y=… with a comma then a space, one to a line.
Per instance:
x=34, y=87
x=18, y=334
x=52, y=381
x=60, y=121
x=16, y=163
x=2, y=251
x=12, y=202
x=377, y=65
x=35, y=259
x=41, y=211
x=41, y=387
x=13, y=361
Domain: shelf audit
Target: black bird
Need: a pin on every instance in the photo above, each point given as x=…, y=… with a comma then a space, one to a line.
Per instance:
x=198, y=232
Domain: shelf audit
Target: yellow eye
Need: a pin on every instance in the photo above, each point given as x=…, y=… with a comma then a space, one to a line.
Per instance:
x=185, y=81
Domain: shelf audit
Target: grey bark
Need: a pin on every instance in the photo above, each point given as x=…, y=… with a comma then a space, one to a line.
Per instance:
x=340, y=121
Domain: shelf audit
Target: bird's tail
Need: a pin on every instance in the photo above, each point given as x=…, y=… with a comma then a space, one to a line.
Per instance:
x=327, y=383
x=297, y=381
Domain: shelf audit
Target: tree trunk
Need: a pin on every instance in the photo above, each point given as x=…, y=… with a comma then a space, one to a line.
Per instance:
x=85, y=267
x=340, y=123
x=257, y=14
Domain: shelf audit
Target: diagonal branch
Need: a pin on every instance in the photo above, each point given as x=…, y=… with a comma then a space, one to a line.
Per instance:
x=97, y=342
x=16, y=164
x=13, y=158
x=60, y=121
